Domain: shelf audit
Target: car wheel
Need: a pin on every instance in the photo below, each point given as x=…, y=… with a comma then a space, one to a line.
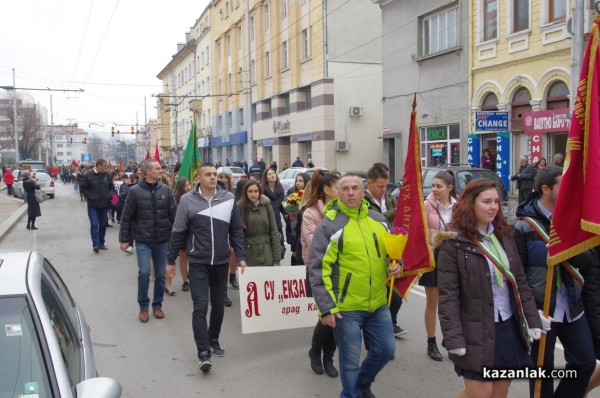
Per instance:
x=51, y=196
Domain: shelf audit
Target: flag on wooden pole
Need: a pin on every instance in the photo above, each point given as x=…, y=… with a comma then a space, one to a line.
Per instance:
x=191, y=157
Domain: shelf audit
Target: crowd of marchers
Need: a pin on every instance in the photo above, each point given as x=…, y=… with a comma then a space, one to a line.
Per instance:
x=487, y=288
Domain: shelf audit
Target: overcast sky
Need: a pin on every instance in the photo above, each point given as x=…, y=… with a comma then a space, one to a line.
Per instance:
x=112, y=49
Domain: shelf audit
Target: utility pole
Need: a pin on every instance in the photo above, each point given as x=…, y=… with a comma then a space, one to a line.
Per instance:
x=250, y=140
x=577, y=29
x=52, y=160
x=15, y=119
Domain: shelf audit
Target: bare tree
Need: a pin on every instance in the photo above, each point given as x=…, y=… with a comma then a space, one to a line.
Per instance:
x=29, y=129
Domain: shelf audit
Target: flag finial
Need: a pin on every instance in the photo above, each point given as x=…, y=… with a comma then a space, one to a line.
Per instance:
x=414, y=104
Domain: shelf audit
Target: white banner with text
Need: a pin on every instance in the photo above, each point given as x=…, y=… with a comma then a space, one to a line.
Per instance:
x=274, y=298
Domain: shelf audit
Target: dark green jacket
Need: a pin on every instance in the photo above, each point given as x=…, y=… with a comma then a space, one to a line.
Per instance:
x=390, y=204
x=261, y=238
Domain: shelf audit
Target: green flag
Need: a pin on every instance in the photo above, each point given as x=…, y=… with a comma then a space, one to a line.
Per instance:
x=191, y=158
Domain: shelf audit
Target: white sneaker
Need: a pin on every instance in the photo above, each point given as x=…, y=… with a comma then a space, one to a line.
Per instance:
x=130, y=250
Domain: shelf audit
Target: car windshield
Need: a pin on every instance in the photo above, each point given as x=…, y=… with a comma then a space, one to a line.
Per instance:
x=463, y=178
x=236, y=170
x=22, y=370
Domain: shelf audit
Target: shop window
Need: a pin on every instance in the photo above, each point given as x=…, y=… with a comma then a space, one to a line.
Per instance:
x=441, y=144
x=558, y=96
x=520, y=105
x=490, y=102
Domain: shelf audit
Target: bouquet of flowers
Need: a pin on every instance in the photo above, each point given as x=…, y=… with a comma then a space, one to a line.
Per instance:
x=290, y=204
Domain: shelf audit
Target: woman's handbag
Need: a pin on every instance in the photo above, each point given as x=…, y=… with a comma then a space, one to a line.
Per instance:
x=40, y=196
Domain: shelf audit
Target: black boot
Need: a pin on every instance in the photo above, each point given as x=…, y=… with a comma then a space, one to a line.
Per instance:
x=432, y=349
x=315, y=361
x=33, y=223
x=329, y=367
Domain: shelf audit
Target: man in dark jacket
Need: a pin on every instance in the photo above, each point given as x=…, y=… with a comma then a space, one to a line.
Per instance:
x=298, y=162
x=150, y=210
x=524, y=178
x=207, y=223
x=568, y=321
x=97, y=188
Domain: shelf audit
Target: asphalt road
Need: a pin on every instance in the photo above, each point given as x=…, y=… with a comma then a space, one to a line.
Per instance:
x=158, y=359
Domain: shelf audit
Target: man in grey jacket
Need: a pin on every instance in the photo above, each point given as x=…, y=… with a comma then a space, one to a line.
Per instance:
x=207, y=223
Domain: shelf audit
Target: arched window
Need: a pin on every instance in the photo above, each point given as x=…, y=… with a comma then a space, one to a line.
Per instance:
x=558, y=96
x=490, y=102
x=520, y=104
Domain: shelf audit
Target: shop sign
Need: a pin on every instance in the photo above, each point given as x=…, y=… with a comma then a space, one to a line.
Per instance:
x=552, y=121
x=437, y=133
x=491, y=121
x=280, y=127
x=473, y=147
x=503, y=157
x=535, y=147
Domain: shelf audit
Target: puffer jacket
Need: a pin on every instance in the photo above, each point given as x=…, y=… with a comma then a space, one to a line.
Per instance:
x=533, y=252
x=97, y=188
x=433, y=217
x=205, y=229
x=311, y=217
x=348, y=269
x=261, y=238
x=150, y=212
x=466, y=303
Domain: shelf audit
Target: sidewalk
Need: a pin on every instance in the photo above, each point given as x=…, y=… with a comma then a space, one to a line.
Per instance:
x=11, y=211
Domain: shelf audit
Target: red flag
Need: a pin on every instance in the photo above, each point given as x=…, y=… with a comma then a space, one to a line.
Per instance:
x=156, y=154
x=121, y=165
x=74, y=163
x=148, y=154
x=576, y=219
x=410, y=214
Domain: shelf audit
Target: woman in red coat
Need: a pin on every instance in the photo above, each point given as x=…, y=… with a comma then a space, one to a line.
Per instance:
x=9, y=179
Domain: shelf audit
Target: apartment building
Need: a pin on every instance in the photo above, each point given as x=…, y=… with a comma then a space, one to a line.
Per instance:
x=425, y=52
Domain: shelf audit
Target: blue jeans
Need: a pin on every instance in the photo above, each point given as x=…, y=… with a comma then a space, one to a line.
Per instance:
x=205, y=279
x=157, y=252
x=98, y=220
x=379, y=337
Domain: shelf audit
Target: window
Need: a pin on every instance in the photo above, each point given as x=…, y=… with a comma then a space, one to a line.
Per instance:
x=284, y=55
x=239, y=37
x=440, y=31
x=228, y=46
x=557, y=10
x=218, y=53
x=252, y=28
x=440, y=144
x=208, y=85
x=241, y=116
x=284, y=5
x=307, y=97
x=267, y=64
x=59, y=145
x=230, y=84
x=241, y=77
x=59, y=154
x=267, y=16
x=286, y=106
x=490, y=102
x=520, y=17
x=305, y=43
x=558, y=96
x=490, y=20
x=226, y=9
x=207, y=55
x=252, y=72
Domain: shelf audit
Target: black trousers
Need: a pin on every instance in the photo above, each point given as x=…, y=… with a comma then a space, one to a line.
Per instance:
x=324, y=341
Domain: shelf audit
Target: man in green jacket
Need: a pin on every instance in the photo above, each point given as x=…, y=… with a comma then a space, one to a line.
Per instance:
x=348, y=272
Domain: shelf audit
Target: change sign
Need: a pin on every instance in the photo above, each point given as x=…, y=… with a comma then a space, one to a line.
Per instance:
x=491, y=121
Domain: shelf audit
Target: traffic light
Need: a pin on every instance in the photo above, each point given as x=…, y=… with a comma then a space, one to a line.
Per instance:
x=132, y=131
x=113, y=131
x=85, y=140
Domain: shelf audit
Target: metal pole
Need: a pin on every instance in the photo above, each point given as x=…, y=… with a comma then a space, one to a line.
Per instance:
x=576, y=46
x=53, y=161
x=250, y=141
x=15, y=119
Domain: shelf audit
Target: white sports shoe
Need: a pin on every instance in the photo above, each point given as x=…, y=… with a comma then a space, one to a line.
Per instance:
x=130, y=250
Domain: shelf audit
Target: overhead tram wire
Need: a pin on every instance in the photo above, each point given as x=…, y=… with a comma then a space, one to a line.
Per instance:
x=87, y=23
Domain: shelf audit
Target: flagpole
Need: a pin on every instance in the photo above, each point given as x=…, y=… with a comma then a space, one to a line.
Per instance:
x=542, y=345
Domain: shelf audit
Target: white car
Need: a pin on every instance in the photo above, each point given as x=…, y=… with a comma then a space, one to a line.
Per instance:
x=288, y=176
x=43, y=179
x=236, y=172
x=45, y=341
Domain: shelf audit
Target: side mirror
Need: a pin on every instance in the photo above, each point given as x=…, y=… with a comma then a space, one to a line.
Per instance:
x=99, y=387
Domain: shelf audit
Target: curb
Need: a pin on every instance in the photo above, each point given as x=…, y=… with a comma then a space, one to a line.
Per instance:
x=11, y=221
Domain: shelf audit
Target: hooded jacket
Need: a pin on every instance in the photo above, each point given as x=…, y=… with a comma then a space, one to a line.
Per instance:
x=150, y=212
x=466, y=305
x=533, y=252
x=348, y=269
x=311, y=217
x=261, y=238
x=205, y=229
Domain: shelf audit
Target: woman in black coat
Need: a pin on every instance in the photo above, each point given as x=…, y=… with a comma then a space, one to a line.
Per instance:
x=33, y=207
x=273, y=189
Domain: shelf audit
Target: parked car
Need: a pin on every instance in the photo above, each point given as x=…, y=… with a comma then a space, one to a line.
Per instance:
x=45, y=344
x=43, y=179
x=288, y=176
x=236, y=172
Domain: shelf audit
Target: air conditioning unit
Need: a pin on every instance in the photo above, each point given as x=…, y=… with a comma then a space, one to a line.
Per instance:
x=355, y=111
x=342, y=146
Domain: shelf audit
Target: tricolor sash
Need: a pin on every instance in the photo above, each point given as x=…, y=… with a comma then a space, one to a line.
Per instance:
x=565, y=264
